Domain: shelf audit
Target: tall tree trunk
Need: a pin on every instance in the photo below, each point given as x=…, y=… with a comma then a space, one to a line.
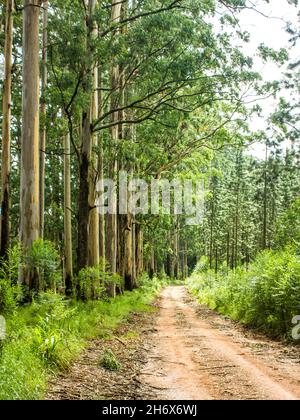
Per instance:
x=101, y=178
x=265, y=204
x=29, y=191
x=128, y=257
x=176, y=250
x=134, y=262
x=172, y=265
x=232, y=260
x=216, y=260
x=68, y=275
x=186, y=267
x=84, y=207
x=152, y=262
x=139, y=250
x=211, y=237
x=112, y=225
x=228, y=250
x=93, y=177
x=6, y=134
x=130, y=235
x=43, y=133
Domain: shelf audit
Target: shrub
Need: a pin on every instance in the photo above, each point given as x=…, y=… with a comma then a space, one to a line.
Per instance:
x=109, y=361
x=202, y=266
x=91, y=282
x=95, y=281
x=44, y=257
x=267, y=295
x=10, y=291
x=9, y=297
x=50, y=334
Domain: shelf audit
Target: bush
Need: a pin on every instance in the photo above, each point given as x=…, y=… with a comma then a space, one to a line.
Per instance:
x=266, y=296
x=9, y=297
x=109, y=361
x=202, y=266
x=10, y=291
x=94, y=281
x=91, y=282
x=44, y=257
x=50, y=335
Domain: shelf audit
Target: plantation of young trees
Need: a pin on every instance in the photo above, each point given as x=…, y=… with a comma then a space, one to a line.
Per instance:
x=163, y=90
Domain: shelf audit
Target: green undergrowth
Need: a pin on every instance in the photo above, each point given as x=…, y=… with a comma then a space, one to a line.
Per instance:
x=109, y=361
x=45, y=337
x=265, y=296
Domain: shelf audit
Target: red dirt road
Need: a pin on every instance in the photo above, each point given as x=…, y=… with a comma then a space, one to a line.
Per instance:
x=197, y=354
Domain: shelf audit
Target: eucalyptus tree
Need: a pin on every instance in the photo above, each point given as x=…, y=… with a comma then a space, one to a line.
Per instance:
x=29, y=189
x=68, y=268
x=43, y=132
x=6, y=131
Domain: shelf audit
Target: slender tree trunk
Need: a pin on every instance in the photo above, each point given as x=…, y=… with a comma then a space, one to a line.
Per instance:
x=112, y=225
x=176, y=251
x=139, y=250
x=236, y=238
x=134, y=262
x=101, y=178
x=217, y=260
x=123, y=223
x=94, y=213
x=228, y=250
x=68, y=218
x=130, y=237
x=29, y=191
x=232, y=247
x=152, y=263
x=265, y=204
x=186, y=268
x=43, y=134
x=84, y=200
x=129, y=285
x=6, y=133
x=211, y=238
x=172, y=265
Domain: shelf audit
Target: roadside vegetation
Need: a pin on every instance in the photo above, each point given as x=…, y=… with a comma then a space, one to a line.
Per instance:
x=45, y=337
x=266, y=295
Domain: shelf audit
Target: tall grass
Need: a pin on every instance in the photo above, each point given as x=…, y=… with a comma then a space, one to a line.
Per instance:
x=48, y=335
x=266, y=296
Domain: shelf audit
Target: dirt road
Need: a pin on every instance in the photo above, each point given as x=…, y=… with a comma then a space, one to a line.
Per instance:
x=182, y=350
x=198, y=355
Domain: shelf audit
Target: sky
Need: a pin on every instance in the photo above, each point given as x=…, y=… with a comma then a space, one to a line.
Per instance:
x=270, y=31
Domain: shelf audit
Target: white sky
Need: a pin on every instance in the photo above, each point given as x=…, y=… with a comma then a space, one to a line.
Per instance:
x=270, y=31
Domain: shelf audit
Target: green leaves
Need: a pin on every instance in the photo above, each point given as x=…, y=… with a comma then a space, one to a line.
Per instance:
x=281, y=56
x=267, y=295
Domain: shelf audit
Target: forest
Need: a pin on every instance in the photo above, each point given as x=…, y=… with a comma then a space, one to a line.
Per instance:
x=150, y=178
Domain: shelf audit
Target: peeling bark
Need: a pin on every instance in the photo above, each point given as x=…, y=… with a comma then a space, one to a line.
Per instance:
x=29, y=191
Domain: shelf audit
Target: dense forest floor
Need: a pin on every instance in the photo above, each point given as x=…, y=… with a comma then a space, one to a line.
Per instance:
x=186, y=352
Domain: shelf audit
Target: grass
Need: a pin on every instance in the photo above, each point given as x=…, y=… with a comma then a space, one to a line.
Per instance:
x=45, y=337
x=265, y=296
x=130, y=335
x=109, y=361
